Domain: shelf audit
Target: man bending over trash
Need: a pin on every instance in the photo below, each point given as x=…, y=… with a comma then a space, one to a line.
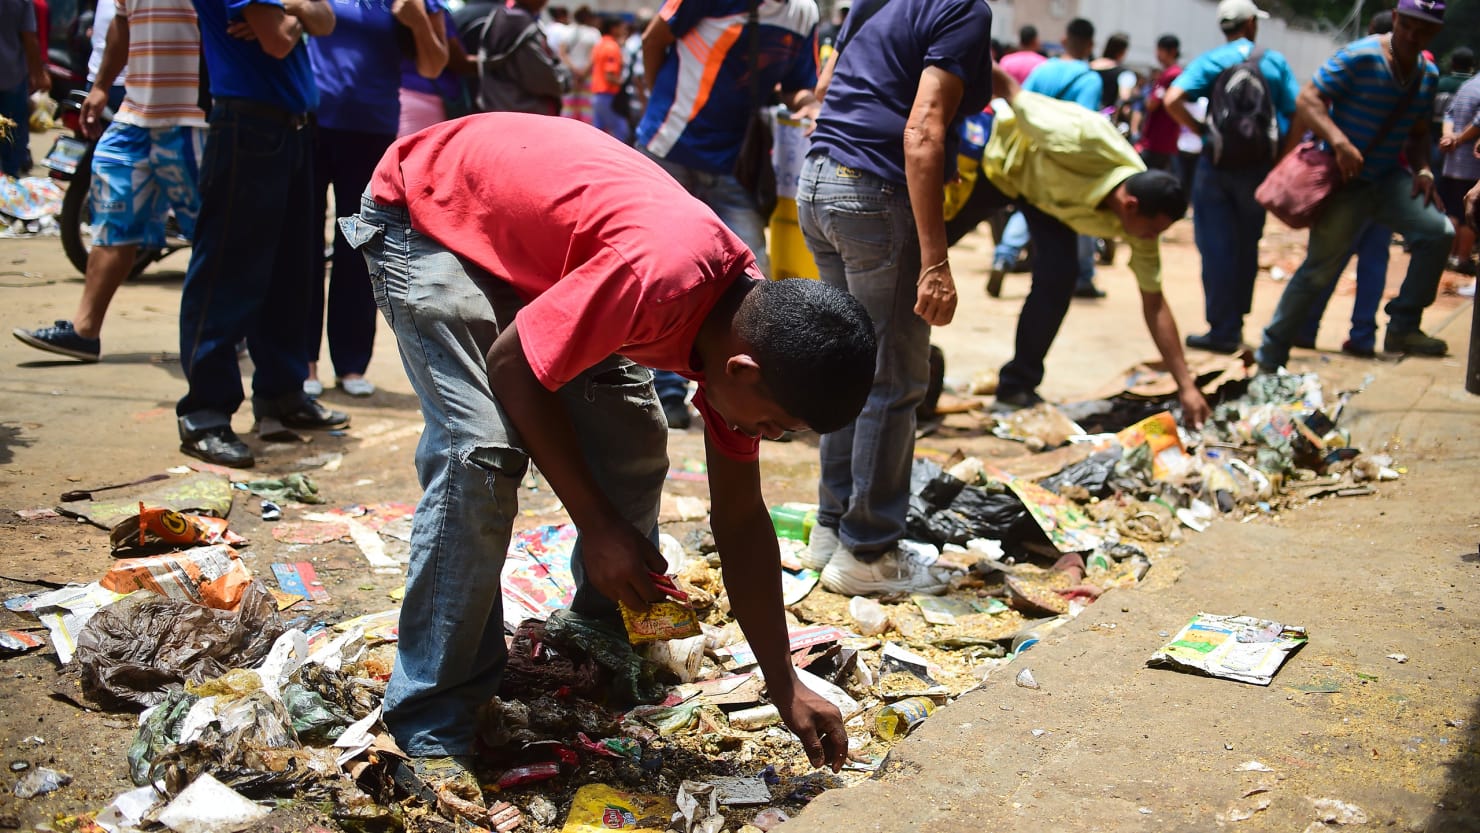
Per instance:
x=1069, y=170
x=532, y=268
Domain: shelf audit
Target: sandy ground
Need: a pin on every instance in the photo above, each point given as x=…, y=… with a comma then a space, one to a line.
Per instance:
x=1125, y=748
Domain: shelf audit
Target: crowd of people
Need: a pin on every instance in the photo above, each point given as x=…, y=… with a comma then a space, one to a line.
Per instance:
x=562, y=293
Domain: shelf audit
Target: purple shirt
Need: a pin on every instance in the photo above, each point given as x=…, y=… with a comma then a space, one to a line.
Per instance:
x=878, y=72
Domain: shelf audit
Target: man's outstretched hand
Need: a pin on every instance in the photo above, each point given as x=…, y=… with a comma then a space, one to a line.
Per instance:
x=618, y=560
x=817, y=724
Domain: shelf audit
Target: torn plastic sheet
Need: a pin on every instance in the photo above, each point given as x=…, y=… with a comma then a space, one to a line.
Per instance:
x=64, y=612
x=208, y=806
x=212, y=576
x=201, y=493
x=1239, y=648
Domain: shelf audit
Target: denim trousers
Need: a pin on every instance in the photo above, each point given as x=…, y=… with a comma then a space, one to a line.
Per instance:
x=1371, y=250
x=1014, y=238
x=1056, y=269
x=1386, y=199
x=862, y=232
x=606, y=118
x=345, y=161
x=446, y=313
x=1227, y=223
x=16, y=104
x=251, y=266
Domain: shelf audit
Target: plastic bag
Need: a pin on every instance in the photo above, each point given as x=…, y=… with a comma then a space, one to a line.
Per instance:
x=633, y=678
x=313, y=719
x=160, y=729
x=132, y=650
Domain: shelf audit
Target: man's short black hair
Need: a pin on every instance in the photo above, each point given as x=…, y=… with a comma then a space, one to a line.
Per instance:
x=1116, y=45
x=1027, y=35
x=1081, y=30
x=1462, y=60
x=1159, y=193
x=1381, y=23
x=1170, y=43
x=815, y=347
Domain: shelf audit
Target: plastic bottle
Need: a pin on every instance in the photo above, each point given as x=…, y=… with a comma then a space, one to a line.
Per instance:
x=869, y=615
x=794, y=521
x=1028, y=637
x=899, y=718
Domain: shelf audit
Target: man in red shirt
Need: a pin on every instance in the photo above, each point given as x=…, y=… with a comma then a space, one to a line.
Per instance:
x=608, y=76
x=532, y=268
x=1159, y=131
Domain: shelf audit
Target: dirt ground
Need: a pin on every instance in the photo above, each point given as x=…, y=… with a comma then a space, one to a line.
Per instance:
x=1122, y=747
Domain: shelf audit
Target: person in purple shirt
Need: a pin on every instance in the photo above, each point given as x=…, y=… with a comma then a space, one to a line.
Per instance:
x=871, y=203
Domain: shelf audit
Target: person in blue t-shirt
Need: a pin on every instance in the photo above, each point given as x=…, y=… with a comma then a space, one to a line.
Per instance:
x=358, y=72
x=1368, y=84
x=254, y=248
x=1227, y=221
x=700, y=101
x=871, y=204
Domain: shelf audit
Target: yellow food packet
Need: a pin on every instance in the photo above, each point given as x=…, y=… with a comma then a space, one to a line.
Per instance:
x=663, y=620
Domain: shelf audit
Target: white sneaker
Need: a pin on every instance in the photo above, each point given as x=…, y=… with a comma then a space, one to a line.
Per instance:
x=820, y=547
x=895, y=572
x=1467, y=291
x=357, y=387
x=313, y=387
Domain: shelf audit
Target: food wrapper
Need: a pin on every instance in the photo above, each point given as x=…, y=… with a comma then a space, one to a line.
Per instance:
x=663, y=620
x=597, y=808
x=1239, y=648
x=159, y=527
x=210, y=576
x=1159, y=431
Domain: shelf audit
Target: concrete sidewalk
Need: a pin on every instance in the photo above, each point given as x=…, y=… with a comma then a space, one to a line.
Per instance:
x=1124, y=747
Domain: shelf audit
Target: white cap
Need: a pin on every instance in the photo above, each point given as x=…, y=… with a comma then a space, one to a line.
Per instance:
x=1237, y=11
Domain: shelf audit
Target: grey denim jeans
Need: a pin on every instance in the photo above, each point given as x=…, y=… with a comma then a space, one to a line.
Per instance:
x=446, y=313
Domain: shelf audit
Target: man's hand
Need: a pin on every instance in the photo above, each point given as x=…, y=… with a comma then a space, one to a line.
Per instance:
x=1449, y=142
x=241, y=31
x=1423, y=183
x=41, y=82
x=409, y=12
x=935, y=299
x=618, y=560
x=92, y=112
x=1348, y=158
x=1195, y=408
x=818, y=725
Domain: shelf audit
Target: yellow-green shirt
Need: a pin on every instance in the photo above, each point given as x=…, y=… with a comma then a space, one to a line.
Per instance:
x=1065, y=160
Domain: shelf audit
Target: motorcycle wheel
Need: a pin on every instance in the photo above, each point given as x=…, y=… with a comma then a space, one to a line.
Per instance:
x=76, y=222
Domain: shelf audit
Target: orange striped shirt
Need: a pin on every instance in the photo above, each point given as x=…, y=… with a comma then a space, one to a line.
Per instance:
x=163, y=84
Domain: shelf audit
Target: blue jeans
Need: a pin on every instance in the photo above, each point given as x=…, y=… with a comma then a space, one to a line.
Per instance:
x=1387, y=200
x=16, y=104
x=672, y=388
x=862, y=232
x=1227, y=223
x=1085, y=248
x=607, y=119
x=1371, y=249
x=1056, y=268
x=729, y=201
x=446, y=314
x=1014, y=238
x=253, y=259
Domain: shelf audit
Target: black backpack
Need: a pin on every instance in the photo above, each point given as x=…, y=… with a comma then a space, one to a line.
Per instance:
x=1242, y=129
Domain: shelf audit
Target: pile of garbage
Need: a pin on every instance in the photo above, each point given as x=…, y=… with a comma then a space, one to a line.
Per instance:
x=247, y=700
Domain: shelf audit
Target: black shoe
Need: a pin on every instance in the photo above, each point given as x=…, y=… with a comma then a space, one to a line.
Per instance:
x=1351, y=348
x=1304, y=343
x=994, y=278
x=219, y=445
x=1088, y=290
x=61, y=339
x=1414, y=343
x=1206, y=342
x=1017, y=400
x=310, y=414
x=677, y=415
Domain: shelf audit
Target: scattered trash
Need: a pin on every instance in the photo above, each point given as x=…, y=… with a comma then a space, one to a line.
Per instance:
x=757, y=718
x=37, y=514
x=1239, y=648
x=211, y=576
x=901, y=717
x=1025, y=679
x=40, y=781
x=741, y=790
x=292, y=487
x=698, y=808
x=1398, y=658
x=18, y=642
x=769, y=818
x=271, y=511
x=662, y=620
x=155, y=528
x=794, y=520
x=208, y=806
x=1332, y=811
x=201, y=493
x=868, y=615
x=300, y=579
x=1252, y=766
x=597, y=808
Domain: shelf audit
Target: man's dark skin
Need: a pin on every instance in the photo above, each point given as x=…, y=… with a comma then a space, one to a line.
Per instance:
x=620, y=555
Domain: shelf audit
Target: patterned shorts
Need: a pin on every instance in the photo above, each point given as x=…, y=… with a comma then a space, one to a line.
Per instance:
x=138, y=175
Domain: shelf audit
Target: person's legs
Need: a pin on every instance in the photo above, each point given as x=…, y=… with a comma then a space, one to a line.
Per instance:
x=1312, y=326
x=1055, y=269
x=15, y=104
x=1014, y=237
x=1373, y=250
x=1084, y=285
x=1452, y=190
x=469, y=464
x=313, y=331
x=1227, y=234
x=1331, y=238
x=1429, y=235
x=351, y=309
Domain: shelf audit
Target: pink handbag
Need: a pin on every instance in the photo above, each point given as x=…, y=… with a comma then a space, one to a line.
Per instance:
x=1299, y=185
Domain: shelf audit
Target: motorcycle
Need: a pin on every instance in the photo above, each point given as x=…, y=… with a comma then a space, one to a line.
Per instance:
x=70, y=162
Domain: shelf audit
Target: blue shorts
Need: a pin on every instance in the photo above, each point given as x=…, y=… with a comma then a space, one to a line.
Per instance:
x=138, y=175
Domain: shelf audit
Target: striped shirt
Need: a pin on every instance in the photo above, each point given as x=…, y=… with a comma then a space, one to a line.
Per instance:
x=1464, y=110
x=163, y=86
x=1359, y=83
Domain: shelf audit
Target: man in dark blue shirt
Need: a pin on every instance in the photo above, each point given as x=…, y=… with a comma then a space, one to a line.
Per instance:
x=871, y=204
x=256, y=239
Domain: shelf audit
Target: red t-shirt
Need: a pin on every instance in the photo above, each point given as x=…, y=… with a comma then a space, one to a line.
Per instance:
x=609, y=253
x=1160, y=131
x=606, y=58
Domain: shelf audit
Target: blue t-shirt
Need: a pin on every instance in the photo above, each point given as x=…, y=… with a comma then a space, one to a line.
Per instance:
x=1067, y=80
x=700, y=104
x=446, y=85
x=240, y=69
x=1198, y=78
x=878, y=72
x=358, y=67
x=1363, y=93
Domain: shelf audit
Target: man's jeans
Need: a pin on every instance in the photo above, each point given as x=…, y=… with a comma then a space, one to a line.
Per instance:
x=1014, y=238
x=1387, y=200
x=1056, y=269
x=862, y=232
x=1372, y=250
x=1227, y=223
x=254, y=256
x=446, y=315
